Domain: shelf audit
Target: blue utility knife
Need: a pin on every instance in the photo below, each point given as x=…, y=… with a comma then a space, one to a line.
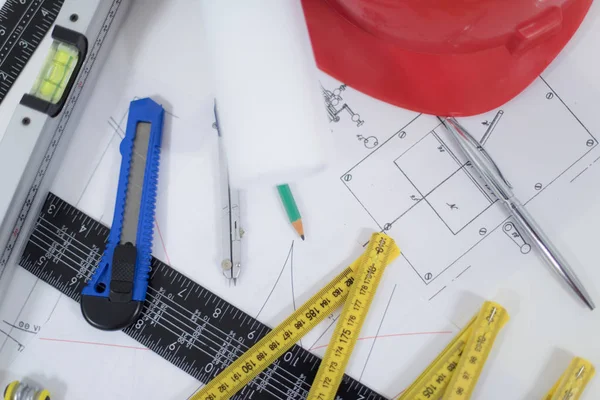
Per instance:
x=115, y=294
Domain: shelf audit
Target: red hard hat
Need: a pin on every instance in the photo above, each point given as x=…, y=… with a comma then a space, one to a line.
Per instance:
x=443, y=57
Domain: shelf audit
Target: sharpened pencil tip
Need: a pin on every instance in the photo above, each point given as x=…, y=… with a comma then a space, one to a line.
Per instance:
x=297, y=224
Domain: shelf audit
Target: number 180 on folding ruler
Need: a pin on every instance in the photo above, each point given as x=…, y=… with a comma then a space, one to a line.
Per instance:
x=354, y=287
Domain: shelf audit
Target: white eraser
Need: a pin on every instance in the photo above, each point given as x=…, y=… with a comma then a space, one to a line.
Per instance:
x=271, y=113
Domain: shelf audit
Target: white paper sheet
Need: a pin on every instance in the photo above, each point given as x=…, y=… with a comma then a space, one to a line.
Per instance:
x=393, y=169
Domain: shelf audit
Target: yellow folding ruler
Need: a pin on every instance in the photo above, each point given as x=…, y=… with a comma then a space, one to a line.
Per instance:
x=362, y=274
x=351, y=320
x=454, y=373
x=573, y=381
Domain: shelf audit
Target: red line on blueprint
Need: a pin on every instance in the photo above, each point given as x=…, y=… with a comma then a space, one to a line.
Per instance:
x=391, y=335
x=94, y=343
x=163, y=243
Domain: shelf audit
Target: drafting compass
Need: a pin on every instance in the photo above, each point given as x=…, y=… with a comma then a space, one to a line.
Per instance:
x=230, y=213
x=115, y=294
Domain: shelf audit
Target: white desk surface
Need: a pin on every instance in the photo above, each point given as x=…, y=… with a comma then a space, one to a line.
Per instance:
x=551, y=141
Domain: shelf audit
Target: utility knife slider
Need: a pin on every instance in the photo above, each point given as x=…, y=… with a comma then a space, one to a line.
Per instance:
x=115, y=294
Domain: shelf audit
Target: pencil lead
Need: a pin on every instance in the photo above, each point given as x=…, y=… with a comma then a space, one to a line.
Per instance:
x=302, y=237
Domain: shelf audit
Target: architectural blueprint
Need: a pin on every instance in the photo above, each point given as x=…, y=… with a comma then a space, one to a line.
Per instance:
x=424, y=180
x=390, y=170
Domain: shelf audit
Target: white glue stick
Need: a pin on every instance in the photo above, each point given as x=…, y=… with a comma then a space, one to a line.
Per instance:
x=271, y=113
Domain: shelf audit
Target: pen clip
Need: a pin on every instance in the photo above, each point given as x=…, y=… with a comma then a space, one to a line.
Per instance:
x=473, y=142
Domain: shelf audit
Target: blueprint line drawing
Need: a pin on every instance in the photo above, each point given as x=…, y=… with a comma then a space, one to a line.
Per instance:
x=377, y=333
x=512, y=232
x=289, y=261
x=335, y=105
x=370, y=142
x=491, y=126
x=418, y=177
x=454, y=216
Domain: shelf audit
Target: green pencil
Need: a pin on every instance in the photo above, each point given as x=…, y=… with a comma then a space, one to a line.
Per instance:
x=291, y=208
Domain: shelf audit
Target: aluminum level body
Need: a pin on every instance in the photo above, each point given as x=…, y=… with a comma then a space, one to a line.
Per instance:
x=34, y=144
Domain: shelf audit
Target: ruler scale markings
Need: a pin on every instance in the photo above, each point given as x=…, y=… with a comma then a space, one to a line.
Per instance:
x=59, y=207
x=190, y=327
x=17, y=22
x=22, y=29
x=263, y=385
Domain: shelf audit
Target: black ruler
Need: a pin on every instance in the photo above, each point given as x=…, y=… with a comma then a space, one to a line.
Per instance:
x=183, y=322
x=23, y=25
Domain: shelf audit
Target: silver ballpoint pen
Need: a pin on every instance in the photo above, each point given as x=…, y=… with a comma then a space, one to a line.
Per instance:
x=230, y=213
x=493, y=178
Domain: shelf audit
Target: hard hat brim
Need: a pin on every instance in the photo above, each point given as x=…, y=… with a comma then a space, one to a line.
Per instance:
x=449, y=84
